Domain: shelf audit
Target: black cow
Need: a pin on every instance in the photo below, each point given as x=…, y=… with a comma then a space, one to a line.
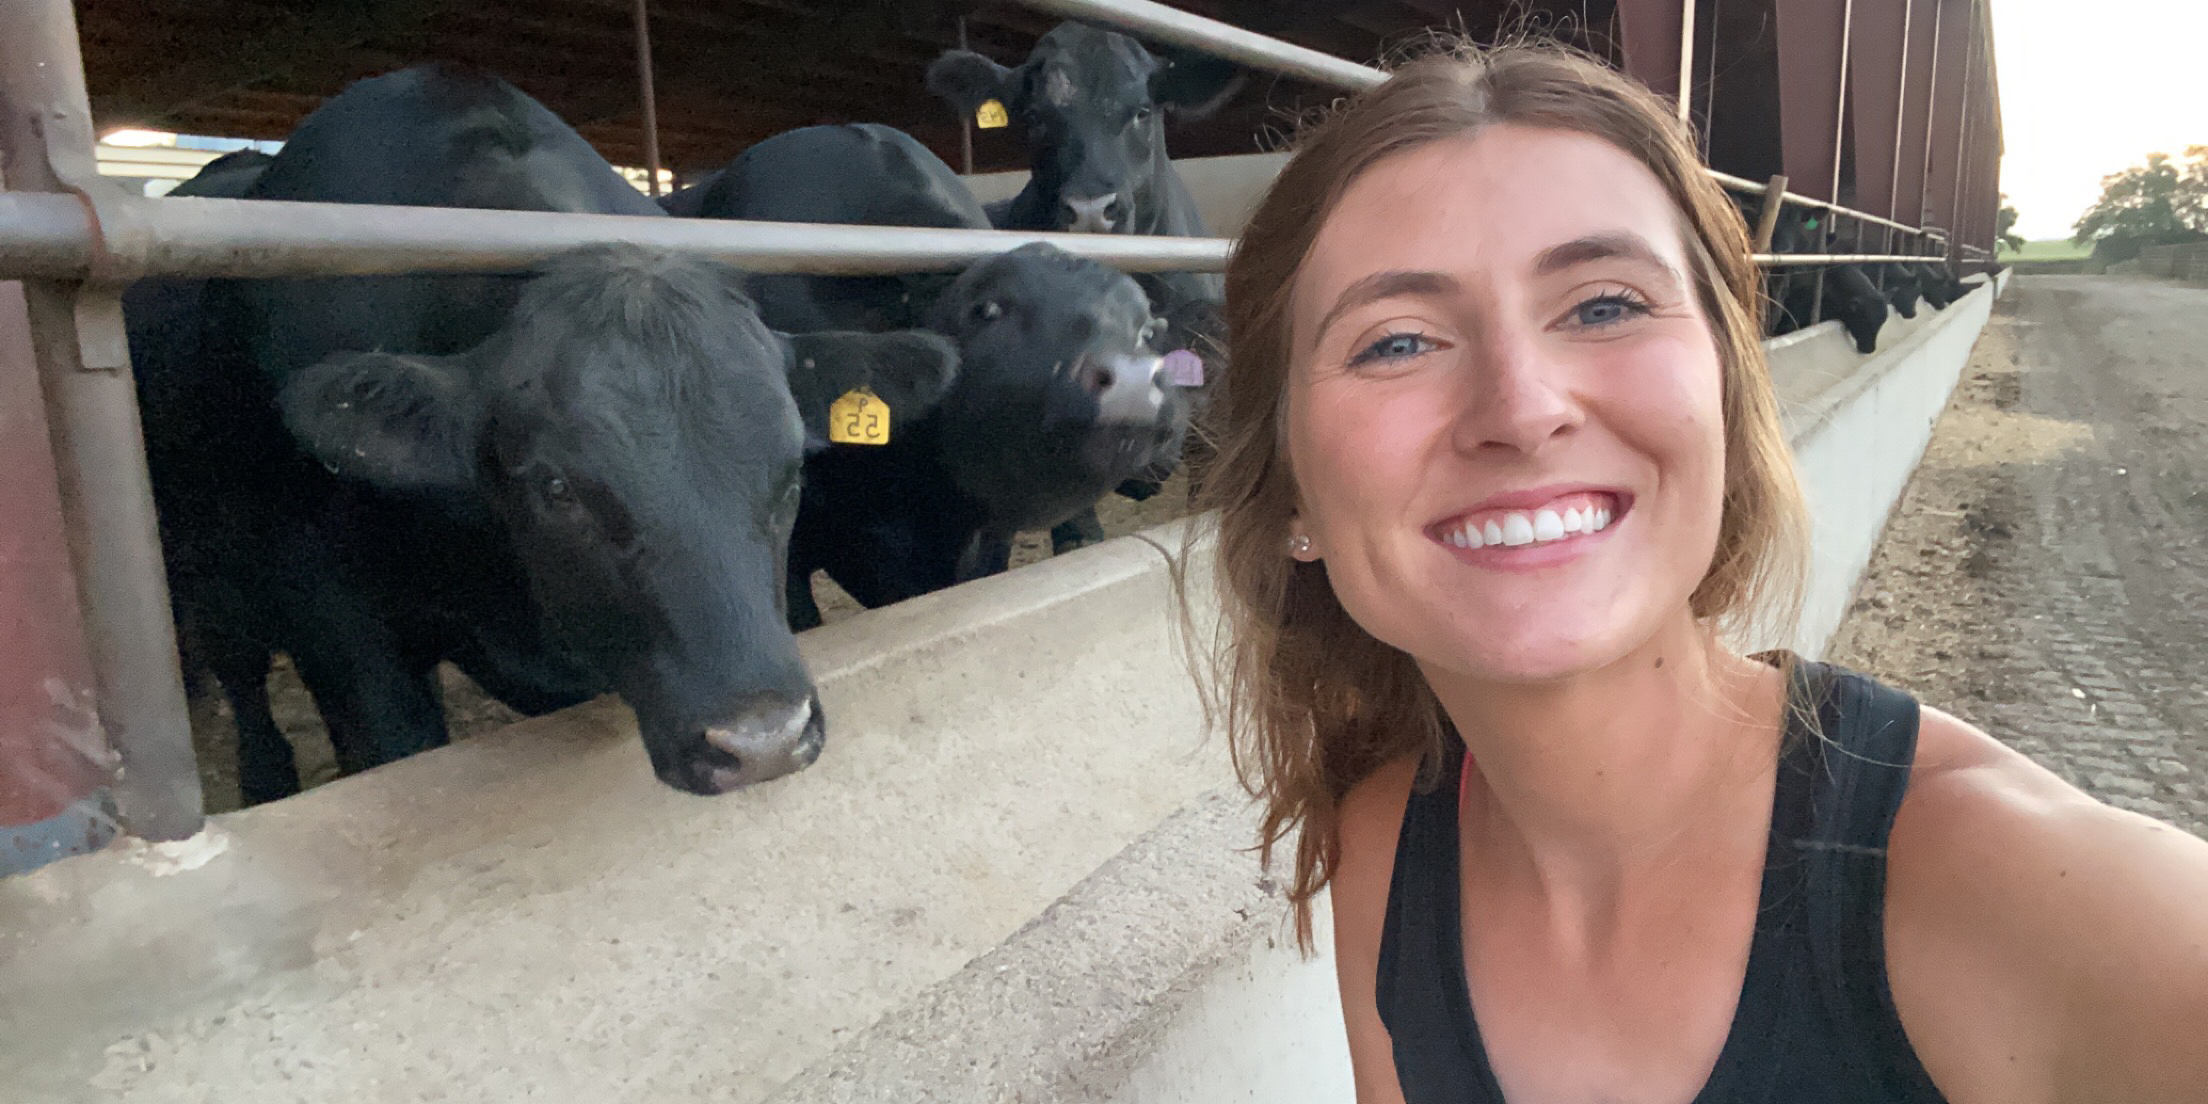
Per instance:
x=1092, y=104
x=565, y=482
x=1845, y=293
x=1060, y=397
x=229, y=176
x=1055, y=400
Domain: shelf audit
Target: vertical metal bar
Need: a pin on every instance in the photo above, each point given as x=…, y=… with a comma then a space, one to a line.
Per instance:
x=965, y=119
x=92, y=415
x=649, y=97
x=1686, y=61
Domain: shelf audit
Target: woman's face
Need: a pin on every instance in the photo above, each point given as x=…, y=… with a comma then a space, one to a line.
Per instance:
x=1504, y=406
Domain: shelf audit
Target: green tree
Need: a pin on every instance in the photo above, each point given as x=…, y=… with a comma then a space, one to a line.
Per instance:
x=2162, y=202
x=2004, y=226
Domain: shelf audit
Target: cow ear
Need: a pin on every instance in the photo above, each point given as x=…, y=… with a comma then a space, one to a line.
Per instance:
x=398, y=422
x=909, y=370
x=969, y=80
x=1193, y=86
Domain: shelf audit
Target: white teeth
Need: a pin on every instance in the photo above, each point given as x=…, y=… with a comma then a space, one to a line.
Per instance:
x=1539, y=527
x=1547, y=526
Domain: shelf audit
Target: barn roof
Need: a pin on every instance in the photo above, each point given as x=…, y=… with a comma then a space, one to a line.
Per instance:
x=727, y=72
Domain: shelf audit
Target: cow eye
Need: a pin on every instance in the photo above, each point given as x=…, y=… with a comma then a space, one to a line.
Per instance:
x=557, y=490
x=988, y=310
x=1151, y=331
x=1141, y=116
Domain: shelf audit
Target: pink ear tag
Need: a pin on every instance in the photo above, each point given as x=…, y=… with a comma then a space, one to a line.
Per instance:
x=1183, y=368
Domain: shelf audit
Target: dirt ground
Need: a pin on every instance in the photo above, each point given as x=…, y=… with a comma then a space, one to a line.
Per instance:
x=2043, y=576
x=468, y=710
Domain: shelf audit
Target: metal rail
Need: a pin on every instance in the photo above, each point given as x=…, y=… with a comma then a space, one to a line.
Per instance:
x=1793, y=260
x=55, y=237
x=1220, y=40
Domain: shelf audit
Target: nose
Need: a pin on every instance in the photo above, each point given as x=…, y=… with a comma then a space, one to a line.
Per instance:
x=768, y=742
x=1515, y=401
x=1127, y=390
x=1093, y=215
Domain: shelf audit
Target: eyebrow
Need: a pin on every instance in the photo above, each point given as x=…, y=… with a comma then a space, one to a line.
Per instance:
x=1386, y=285
x=1619, y=245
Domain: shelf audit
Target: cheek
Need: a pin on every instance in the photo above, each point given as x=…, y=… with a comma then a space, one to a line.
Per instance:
x=1358, y=448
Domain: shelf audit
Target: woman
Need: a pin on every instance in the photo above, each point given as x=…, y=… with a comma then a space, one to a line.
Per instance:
x=1500, y=466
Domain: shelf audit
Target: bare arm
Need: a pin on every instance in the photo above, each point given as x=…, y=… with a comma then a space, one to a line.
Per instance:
x=1372, y=815
x=2044, y=948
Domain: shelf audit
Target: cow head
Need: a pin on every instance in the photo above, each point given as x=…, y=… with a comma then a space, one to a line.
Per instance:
x=638, y=434
x=1090, y=102
x=1061, y=392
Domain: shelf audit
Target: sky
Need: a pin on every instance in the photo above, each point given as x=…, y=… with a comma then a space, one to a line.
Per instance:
x=2088, y=89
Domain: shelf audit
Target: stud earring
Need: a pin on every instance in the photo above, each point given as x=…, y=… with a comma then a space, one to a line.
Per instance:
x=1299, y=545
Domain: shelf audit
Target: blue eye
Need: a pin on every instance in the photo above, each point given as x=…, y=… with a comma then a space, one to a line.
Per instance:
x=1607, y=310
x=1395, y=346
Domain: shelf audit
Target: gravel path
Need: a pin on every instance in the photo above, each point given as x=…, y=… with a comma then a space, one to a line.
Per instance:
x=2044, y=575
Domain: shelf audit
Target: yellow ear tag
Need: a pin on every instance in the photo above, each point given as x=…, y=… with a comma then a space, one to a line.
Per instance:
x=990, y=116
x=858, y=418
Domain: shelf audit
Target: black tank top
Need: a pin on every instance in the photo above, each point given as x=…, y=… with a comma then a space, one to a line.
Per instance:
x=1815, y=1023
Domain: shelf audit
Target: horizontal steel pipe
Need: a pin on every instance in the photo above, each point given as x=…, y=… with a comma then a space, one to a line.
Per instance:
x=1789, y=260
x=52, y=237
x=1220, y=40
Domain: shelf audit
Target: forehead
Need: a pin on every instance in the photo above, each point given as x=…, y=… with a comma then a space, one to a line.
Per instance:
x=1088, y=68
x=1053, y=283
x=1483, y=207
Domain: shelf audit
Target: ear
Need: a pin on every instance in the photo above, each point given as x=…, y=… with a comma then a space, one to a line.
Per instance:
x=969, y=80
x=1193, y=86
x=401, y=423
x=910, y=370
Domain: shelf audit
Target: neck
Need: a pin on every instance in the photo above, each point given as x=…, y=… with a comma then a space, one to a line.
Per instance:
x=1650, y=761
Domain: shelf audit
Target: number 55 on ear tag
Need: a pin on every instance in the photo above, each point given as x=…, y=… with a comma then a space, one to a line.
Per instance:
x=991, y=115
x=858, y=418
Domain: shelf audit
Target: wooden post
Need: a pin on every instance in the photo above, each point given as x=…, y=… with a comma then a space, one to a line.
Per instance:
x=1767, y=216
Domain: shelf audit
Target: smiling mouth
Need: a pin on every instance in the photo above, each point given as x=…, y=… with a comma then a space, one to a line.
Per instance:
x=1564, y=518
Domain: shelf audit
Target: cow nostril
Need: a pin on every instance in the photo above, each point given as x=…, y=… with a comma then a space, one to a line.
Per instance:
x=1097, y=378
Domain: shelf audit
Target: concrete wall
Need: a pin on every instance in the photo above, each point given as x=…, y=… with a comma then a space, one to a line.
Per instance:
x=1019, y=873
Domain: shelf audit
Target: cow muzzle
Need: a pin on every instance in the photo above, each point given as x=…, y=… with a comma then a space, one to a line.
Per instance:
x=1127, y=390
x=768, y=742
x=1093, y=215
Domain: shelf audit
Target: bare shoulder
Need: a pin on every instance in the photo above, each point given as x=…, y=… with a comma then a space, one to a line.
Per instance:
x=2042, y=945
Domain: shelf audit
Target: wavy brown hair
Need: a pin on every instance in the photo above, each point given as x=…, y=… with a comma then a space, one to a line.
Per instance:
x=1310, y=702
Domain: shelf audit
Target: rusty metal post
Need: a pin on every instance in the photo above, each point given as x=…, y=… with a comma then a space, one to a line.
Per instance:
x=648, y=95
x=1767, y=216
x=92, y=417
